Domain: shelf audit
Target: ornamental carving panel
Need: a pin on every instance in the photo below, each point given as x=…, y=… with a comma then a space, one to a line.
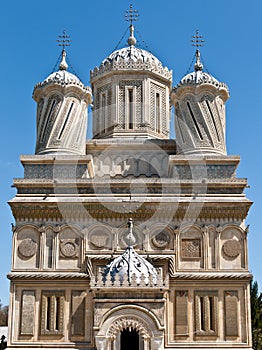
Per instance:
x=27, y=312
x=78, y=313
x=231, y=307
x=181, y=312
x=191, y=248
x=99, y=240
x=231, y=248
x=27, y=248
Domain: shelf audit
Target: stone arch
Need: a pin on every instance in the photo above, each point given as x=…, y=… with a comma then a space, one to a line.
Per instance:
x=27, y=245
x=233, y=247
x=127, y=322
x=136, y=317
x=191, y=244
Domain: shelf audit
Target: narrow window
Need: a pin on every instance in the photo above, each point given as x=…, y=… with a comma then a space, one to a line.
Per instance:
x=103, y=105
x=213, y=119
x=49, y=250
x=80, y=128
x=157, y=116
x=52, y=320
x=48, y=313
x=57, y=313
x=130, y=109
x=47, y=119
x=211, y=314
x=66, y=120
x=202, y=313
x=194, y=121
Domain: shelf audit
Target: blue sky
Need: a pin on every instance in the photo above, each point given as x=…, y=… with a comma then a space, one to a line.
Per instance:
x=232, y=53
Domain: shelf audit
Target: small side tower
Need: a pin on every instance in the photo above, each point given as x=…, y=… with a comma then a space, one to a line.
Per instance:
x=199, y=101
x=62, y=101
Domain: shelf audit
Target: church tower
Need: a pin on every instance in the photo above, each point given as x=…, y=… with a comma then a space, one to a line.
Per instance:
x=131, y=94
x=62, y=101
x=130, y=240
x=199, y=101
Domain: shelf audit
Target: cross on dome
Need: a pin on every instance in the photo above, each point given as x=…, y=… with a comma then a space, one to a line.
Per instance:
x=197, y=41
x=131, y=16
x=63, y=41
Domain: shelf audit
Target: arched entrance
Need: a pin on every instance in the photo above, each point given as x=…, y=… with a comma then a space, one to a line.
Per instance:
x=129, y=339
x=138, y=329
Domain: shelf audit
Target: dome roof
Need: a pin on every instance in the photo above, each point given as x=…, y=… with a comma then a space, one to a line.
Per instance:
x=62, y=76
x=131, y=53
x=130, y=263
x=131, y=58
x=199, y=77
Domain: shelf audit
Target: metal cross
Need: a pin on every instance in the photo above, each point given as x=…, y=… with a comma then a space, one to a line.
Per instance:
x=63, y=40
x=131, y=15
x=197, y=40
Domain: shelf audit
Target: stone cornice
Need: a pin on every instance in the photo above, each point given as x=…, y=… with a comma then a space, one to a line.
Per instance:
x=46, y=275
x=124, y=180
x=211, y=276
x=81, y=211
x=55, y=159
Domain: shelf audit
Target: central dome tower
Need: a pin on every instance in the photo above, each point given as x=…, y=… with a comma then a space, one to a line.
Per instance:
x=122, y=86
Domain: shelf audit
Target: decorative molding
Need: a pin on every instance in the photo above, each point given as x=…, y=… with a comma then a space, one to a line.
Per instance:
x=212, y=276
x=126, y=323
x=138, y=65
x=46, y=275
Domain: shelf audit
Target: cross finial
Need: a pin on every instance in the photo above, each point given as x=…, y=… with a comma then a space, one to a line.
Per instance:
x=64, y=40
x=197, y=41
x=131, y=15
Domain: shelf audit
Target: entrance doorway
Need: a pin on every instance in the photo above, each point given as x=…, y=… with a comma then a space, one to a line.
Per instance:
x=129, y=339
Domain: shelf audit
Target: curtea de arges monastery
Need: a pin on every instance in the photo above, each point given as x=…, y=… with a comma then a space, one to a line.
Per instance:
x=130, y=240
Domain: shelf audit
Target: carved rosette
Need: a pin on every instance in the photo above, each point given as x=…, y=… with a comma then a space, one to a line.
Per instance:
x=161, y=239
x=27, y=248
x=231, y=249
x=69, y=248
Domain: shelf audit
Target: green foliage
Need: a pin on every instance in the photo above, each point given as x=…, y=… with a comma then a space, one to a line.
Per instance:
x=256, y=315
x=3, y=315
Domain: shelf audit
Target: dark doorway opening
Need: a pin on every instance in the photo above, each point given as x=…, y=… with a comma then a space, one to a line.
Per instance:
x=129, y=339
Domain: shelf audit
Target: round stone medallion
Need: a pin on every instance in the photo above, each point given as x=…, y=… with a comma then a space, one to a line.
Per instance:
x=161, y=239
x=27, y=248
x=69, y=249
x=231, y=248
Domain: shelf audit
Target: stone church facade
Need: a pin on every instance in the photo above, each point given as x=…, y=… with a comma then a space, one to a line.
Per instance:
x=130, y=240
